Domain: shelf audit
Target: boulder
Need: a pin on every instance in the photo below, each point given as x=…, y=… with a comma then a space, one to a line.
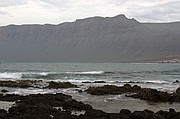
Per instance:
x=153, y=95
x=136, y=88
x=99, y=82
x=4, y=91
x=86, y=82
x=177, y=81
x=106, y=89
x=125, y=111
x=3, y=113
x=178, y=91
x=109, y=89
x=18, y=83
x=56, y=85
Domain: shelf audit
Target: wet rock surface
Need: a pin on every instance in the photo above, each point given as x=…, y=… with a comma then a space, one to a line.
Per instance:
x=112, y=89
x=4, y=90
x=99, y=82
x=178, y=91
x=10, y=97
x=94, y=82
x=177, y=81
x=137, y=92
x=36, y=84
x=156, y=96
x=56, y=85
x=60, y=106
x=20, y=83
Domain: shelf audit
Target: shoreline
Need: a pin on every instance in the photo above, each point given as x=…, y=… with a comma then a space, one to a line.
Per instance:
x=109, y=103
x=61, y=106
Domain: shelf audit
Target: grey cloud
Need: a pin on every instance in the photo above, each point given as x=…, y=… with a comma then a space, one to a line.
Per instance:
x=57, y=3
x=151, y=11
x=143, y=10
x=7, y=3
x=3, y=13
x=165, y=12
x=69, y=10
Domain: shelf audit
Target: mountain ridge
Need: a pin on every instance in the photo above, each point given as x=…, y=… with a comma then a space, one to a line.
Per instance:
x=94, y=39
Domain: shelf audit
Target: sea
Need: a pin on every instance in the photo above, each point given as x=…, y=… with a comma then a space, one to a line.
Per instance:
x=163, y=77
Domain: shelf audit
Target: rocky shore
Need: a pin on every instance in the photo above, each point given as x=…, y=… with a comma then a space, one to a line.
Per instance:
x=136, y=92
x=60, y=106
x=36, y=84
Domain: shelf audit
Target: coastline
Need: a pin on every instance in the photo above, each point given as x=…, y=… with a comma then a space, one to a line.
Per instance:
x=109, y=103
x=59, y=106
x=108, y=88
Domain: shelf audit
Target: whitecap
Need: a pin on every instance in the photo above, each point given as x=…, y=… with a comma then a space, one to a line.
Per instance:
x=43, y=73
x=157, y=81
x=87, y=72
x=7, y=75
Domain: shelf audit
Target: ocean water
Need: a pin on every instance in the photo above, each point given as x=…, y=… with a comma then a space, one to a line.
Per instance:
x=158, y=76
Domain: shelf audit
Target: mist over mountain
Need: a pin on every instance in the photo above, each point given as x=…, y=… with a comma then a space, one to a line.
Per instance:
x=95, y=39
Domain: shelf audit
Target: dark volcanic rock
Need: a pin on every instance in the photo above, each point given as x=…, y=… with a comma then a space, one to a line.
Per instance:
x=3, y=113
x=136, y=92
x=86, y=82
x=136, y=88
x=154, y=95
x=18, y=83
x=178, y=91
x=10, y=97
x=146, y=114
x=177, y=81
x=60, y=106
x=109, y=89
x=57, y=85
x=176, y=96
x=125, y=111
x=4, y=91
x=99, y=82
x=172, y=114
x=43, y=106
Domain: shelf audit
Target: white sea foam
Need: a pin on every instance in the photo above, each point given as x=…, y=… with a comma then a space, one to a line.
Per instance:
x=43, y=73
x=157, y=81
x=117, y=97
x=77, y=113
x=87, y=72
x=7, y=75
x=19, y=75
x=21, y=91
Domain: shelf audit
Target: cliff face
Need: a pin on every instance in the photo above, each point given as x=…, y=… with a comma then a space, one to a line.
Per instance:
x=96, y=39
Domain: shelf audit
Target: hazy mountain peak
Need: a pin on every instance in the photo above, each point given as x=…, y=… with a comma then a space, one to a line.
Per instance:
x=120, y=16
x=118, y=19
x=90, y=19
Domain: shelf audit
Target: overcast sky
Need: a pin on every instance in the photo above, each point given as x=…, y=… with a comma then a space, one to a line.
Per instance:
x=58, y=11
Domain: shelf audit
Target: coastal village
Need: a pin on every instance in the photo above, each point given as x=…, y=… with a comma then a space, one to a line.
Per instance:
x=169, y=61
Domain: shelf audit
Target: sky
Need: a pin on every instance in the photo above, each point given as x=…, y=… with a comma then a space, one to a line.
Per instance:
x=58, y=11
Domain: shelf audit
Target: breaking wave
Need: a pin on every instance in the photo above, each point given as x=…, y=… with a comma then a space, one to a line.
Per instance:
x=87, y=72
x=7, y=75
x=47, y=75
